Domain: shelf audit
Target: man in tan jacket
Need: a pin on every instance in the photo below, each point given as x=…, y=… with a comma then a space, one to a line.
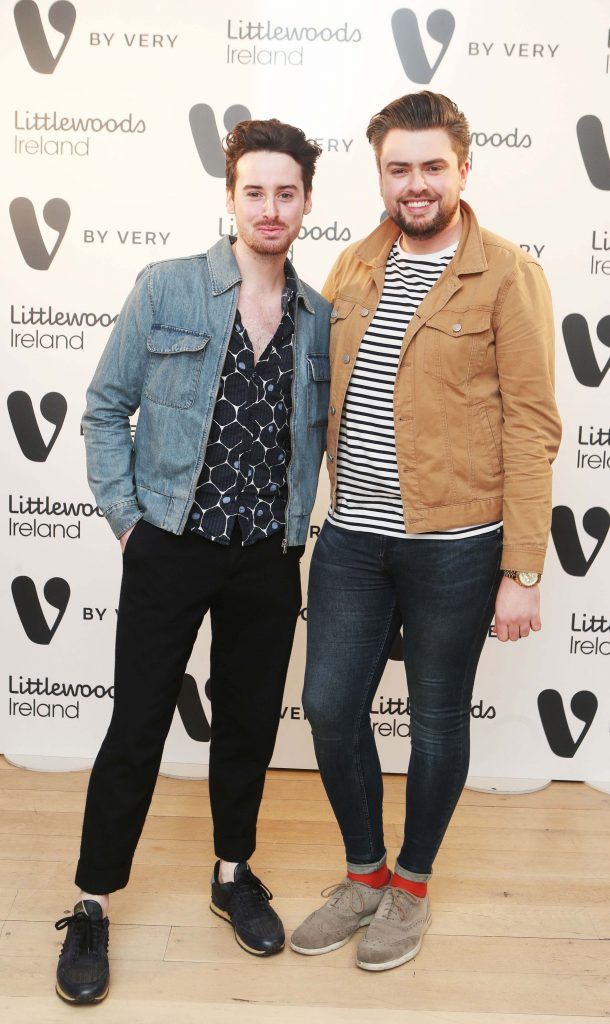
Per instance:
x=442, y=430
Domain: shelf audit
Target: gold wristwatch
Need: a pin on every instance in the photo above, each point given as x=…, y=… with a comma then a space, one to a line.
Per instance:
x=524, y=579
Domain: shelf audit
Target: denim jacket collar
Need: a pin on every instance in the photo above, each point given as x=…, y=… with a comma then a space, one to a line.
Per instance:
x=225, y=274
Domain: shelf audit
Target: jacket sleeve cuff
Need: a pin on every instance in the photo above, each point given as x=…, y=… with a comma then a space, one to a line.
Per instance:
x=122, y=517
x=523, y=559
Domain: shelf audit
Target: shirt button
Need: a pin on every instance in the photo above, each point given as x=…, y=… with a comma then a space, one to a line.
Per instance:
x=242, y=508
x=364, y=312
x=236, y=464
x=346, y=358
x=456, y=328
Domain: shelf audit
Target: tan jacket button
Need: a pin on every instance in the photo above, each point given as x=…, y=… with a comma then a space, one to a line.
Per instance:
x=346, y=358
x=456, y=328
x=364, y=312
x=332, y=410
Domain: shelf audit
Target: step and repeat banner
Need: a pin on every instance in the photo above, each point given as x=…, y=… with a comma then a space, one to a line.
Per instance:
x=112, y=121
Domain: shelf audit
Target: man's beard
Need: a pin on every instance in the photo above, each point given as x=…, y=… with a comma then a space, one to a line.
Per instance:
x=425, y=229
x=268, y=246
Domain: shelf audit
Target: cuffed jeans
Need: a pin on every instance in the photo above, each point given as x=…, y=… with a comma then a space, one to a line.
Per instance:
x=169, y=582
x=361, y=587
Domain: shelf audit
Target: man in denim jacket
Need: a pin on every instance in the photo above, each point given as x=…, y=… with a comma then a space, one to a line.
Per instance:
x=226, y=356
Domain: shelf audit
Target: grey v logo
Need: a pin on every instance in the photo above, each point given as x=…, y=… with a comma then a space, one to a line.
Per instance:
x=207, y=137
x=440, y=26
x=594, y=151
x=579, y=346
x=53, y=407
x=62, y=16
x=555, y=724
x=56, y=214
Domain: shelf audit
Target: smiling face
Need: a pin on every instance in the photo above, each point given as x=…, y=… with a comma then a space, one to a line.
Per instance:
x=268, y=201
x=420, y=181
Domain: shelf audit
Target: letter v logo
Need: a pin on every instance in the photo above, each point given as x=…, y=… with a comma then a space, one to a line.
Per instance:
x=56, y=593
x=579, y=347
x=440, y=26
x=594, y=151
x=56, y=214
x=62, y=16
x=555, y=724
x=191, y=710
x=596, y=522
x=207, y=137
x=53, y=407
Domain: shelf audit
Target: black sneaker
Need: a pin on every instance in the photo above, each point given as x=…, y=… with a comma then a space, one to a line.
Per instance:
x=244, y=902
x=83, y=974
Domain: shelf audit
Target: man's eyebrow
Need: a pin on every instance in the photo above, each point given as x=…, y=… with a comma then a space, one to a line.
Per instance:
x=406, y=163
x=279, y=188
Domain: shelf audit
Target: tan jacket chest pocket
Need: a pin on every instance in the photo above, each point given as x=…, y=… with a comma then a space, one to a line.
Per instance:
x=175, y=359
x=455, y=342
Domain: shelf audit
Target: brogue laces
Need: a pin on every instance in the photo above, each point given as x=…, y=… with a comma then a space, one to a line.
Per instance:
x=396, y=905
x=344, y=894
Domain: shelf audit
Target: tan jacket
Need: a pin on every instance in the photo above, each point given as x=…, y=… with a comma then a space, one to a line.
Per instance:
x=476, y=423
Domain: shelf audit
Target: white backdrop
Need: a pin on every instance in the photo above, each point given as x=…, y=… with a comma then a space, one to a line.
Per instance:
x=112, y=118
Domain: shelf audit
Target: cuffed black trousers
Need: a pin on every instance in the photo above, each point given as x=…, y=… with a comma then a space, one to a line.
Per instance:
x=253, y=594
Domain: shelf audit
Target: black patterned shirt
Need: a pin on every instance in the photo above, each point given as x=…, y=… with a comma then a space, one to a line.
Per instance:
x=244, y=476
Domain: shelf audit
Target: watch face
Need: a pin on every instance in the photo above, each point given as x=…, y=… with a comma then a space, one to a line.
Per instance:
x=528, y=579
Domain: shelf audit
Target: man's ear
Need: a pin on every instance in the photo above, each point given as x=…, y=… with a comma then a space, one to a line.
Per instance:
x=230, y=201
x=307, y=205
x=464, y=169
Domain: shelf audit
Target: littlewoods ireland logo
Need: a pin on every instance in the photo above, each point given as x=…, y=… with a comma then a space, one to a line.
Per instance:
x=579, y=346
x=207, y=137
x=56, y=593
x=440, y=26
x=53, y=407
x=596, y=523
x=56, y=215
x=62, y=16
x=594, y=151
x=555, y=724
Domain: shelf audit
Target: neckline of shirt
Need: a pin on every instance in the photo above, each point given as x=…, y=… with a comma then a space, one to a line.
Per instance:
x=419, y=257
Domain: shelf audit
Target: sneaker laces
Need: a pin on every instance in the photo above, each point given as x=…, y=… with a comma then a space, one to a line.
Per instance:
x=252, y=892
x=344, y=888
x=87, y=932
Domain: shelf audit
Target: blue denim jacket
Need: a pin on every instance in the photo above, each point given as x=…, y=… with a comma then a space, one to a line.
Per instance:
x=165, y=355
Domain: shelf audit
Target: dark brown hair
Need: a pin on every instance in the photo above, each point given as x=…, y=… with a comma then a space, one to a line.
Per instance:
x=272, y=137
x=417, y=111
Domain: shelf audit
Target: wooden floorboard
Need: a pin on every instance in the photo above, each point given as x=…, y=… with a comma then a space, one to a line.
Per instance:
x=520, y=911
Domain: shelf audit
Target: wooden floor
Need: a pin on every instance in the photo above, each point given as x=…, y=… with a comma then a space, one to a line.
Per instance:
x=520, y=911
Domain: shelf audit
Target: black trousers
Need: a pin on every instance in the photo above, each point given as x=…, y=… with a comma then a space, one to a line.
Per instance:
x=169, y=582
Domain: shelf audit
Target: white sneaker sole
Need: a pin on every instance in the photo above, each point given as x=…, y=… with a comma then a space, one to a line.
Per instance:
x=388, y=964
x=333, y=945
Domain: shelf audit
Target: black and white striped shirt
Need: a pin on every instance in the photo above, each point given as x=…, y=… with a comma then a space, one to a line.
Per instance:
x=368, y=487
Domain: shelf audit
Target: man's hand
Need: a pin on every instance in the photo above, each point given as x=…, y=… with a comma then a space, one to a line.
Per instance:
x=517, y=610
x=125, y=537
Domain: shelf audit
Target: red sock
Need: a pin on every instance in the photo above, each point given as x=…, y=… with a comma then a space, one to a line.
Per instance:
x=376, y=879
x=415, y=888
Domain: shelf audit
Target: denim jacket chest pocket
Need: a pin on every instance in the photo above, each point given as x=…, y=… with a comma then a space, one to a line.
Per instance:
x=173, y=371
x=318, y=389
x=455, y=344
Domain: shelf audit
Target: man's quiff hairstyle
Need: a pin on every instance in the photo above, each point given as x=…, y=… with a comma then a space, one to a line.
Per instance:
x=272, y=137
x=418, y=111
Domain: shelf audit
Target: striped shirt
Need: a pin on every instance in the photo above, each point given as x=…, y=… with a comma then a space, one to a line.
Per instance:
x=368, y=487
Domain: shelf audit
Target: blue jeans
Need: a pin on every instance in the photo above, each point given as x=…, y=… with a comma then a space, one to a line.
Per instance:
x=361, y=587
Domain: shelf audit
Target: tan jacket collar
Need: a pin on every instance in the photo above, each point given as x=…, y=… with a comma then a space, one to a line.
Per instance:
x=469, y=258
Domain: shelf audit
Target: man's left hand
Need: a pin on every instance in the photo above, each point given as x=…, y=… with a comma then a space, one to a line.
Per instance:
x=517, y=610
